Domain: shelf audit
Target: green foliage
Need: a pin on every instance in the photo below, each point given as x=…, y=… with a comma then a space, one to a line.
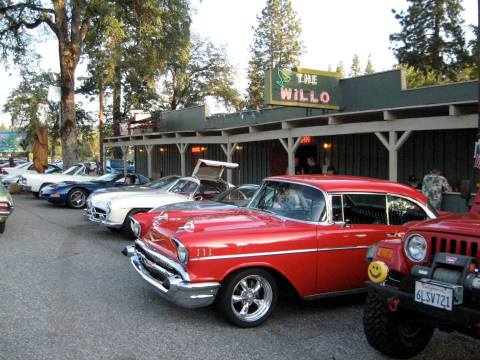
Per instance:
x=369, y=69
x=131, y=46
x=432, y=38
x=276, y=42
x=340, y=69
x=30, y=108
x=203, y=72
x=28, y=104
x=355, y=69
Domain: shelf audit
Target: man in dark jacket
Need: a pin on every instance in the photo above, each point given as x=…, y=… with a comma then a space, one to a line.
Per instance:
x=314, y=168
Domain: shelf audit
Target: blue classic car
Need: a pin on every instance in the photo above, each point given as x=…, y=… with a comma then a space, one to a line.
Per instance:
x=74, y=194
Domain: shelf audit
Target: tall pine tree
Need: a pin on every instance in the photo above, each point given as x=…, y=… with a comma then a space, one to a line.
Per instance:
x=276, y=42
x=355, y=70
x=432, y=37
x=369, y=69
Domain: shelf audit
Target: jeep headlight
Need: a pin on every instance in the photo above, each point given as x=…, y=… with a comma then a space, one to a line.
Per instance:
x=182, y=252
x=416, y=247
x=136, y=228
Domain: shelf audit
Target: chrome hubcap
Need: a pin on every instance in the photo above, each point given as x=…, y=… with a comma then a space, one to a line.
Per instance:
x=77, y=198
x=251, y=298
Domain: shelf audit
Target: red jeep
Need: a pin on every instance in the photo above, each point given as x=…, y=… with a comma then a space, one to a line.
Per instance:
x=429, y=279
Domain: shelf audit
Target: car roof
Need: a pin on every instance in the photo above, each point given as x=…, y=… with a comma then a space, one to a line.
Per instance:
x=344, y=183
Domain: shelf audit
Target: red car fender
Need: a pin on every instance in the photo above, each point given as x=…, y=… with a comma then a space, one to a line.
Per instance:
x=227, y=271
x=391, y=253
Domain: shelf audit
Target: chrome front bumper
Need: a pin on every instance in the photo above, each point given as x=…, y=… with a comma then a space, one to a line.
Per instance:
x=173, y=287
x=99, y=218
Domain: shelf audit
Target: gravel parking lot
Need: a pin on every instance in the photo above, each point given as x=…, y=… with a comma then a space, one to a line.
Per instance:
x=66, y=292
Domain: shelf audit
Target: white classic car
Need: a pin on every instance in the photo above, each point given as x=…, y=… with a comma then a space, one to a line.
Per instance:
x=35, y=182
x=15, y=173
x=113, y=208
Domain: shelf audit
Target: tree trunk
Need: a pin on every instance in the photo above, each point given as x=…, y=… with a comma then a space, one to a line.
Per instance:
x=68, y=131
x=101, y=117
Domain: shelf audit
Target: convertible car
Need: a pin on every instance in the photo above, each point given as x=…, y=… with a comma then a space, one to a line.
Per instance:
x=74, y=194
x=36, y=182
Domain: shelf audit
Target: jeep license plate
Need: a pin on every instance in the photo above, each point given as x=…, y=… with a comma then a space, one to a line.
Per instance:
x=434, y=295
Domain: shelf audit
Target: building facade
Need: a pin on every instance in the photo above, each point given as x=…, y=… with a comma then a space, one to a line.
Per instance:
x=382, y=129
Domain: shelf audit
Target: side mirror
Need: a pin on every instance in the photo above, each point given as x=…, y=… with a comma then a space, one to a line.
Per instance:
x=347, y=223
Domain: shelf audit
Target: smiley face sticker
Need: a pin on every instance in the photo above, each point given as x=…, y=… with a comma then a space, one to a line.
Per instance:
x=377, y=271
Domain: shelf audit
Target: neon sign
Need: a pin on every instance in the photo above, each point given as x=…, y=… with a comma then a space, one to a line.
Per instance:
x=302, y=87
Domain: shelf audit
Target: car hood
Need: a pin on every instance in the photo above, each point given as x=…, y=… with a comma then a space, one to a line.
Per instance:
x=214, y=220
x=151, y=200
x=210, y=169
x=461, y=224
x=99, y=198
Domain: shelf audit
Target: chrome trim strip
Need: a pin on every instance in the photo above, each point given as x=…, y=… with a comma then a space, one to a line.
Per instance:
x=286, y=252
x=335, y=293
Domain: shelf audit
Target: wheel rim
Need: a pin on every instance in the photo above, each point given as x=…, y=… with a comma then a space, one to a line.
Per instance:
x=409, y=330
x=251, y=298
x=77, y=198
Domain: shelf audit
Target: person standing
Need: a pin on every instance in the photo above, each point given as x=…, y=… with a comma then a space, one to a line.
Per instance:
x=314, y=168
x=433, y=187
x=413, y=182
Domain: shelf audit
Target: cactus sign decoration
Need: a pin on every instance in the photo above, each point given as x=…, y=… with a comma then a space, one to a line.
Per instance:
x=302, y=87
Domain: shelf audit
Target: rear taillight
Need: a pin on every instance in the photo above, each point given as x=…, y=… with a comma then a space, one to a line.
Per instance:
x=4, y=205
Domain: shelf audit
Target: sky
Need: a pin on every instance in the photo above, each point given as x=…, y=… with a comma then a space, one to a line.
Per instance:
x=333, y=31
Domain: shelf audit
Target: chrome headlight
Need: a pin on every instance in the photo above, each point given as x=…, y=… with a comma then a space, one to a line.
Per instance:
x=182, y=252
x=136, y=228
x=416, y=247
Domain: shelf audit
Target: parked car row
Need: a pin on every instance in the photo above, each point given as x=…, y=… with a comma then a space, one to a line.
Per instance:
x=199, y=241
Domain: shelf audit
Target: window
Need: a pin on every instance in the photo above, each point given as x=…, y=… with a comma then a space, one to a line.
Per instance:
x=294, y=201
x=184, y=187
x=401, y=211
x=208, y=188
x=163, y=183
x=337, y=208
x=365, y=208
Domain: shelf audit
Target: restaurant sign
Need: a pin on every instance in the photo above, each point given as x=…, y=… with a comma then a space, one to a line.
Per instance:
x=302, y=87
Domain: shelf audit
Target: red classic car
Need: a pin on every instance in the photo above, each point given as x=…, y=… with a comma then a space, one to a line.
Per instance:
x=308, y=233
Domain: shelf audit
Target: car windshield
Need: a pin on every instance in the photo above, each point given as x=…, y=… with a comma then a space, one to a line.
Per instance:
x=290, y=200
x=72, y=170
x=107, y=178
x=162, y=183
x=184, y=187
x=116, y=163
x=50, y=170
x=240, y=196
x=24, y=165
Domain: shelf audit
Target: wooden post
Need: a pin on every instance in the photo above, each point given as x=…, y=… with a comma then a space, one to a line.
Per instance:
x=149, y=148
x=229, y=150
x=182, y=148
x=124, y=152
x=393, y=144
x=291, y=147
